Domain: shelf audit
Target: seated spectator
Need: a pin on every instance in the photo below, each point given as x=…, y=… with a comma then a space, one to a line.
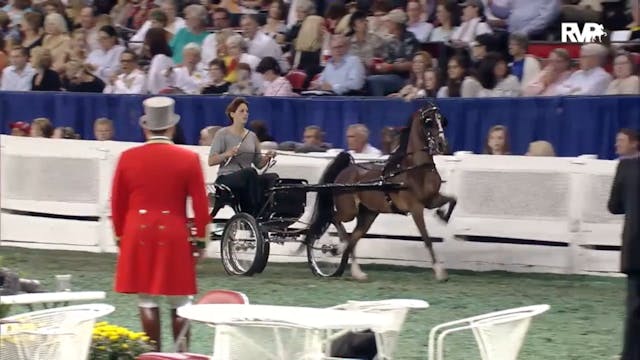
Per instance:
x=529, y=17
x=65, y=133
x=87, y=21
x=524, y=67
x=275, y=26
x=79, y=48
x=365, y=44
x=308, y=46
x=634, y=26
x=448, y=17
x=130, y=80
x=335, y=12
x=540, y=148
x=215, y=42
x=31, y=29
x=495, y=79
x=194, y=31
x=343, y=73
x=274, y=84
x=472, y=24
x=380, y=9
x=168, y=21
x=260, y=44
x=191, y=77
x=551, y=79
x=480, y=47
x=358, y=140
x=313, y=141
x=106, y=59
x=627, y=144
x=244, y=84
x=591, y=79
x=459, y=83
x=431, y=84
x=625, y=82
x=416, y=24
x=20, y=128
x=103, y=129
x=261, y=130
x=390, y=139
x=79, y=78
x=217, y=83
x=207, y=134
x=391, y=75
x=236, y=54
x=44, y=79
x=497, y=142
x=299, y=10
x=421, y=62
x=41, y=127
x=160, y=74
x=19, y=75
x=582, y=11
x=56, y=39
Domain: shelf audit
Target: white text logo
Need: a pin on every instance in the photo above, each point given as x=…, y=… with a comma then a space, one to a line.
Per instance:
x=591, y=32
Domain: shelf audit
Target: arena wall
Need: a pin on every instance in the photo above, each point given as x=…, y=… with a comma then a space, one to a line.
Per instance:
x=514, y=213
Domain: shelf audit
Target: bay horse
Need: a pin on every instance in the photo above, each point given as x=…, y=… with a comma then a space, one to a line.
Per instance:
x=410, y=167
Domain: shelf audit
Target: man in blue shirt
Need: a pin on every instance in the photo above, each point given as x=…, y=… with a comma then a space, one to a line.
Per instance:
x=530, y=17
x=343, y=73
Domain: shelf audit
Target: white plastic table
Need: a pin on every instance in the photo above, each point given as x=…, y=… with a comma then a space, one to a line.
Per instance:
x=316, y=324
x=51, y=297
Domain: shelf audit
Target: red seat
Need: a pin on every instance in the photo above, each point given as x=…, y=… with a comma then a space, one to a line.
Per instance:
x=219, y=296
x=297, y=79
x=542, y=50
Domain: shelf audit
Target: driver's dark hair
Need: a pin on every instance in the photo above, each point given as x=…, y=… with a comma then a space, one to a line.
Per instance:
x=233, y=106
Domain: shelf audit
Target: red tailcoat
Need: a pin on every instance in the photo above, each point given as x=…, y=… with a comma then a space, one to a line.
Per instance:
x=150, y=189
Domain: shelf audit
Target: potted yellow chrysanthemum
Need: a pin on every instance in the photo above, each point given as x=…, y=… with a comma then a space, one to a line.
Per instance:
x=111, y=342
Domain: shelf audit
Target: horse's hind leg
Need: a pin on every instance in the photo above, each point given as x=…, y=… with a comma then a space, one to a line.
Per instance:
x=366, y=218
x=438, y=269
x=440, y=200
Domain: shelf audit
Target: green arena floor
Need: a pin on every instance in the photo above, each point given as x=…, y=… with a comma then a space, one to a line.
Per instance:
x=585, y=320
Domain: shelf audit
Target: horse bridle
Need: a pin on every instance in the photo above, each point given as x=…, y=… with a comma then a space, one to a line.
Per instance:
x=427, y=116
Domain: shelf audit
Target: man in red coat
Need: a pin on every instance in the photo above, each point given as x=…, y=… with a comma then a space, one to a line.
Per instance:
x=149, y=195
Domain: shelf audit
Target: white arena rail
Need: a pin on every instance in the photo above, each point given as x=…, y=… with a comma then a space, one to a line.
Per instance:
x=514, y=213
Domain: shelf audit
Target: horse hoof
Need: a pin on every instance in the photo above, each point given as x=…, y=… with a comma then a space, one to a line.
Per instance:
x=360, y=276
x=440, y=273
x=441, y=215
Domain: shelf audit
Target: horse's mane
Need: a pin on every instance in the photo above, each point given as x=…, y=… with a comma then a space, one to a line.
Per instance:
x=404, y=137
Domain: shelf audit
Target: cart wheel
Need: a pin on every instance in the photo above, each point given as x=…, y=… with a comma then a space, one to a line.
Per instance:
x=242, y=246
x=325, y=255
x=266, y=251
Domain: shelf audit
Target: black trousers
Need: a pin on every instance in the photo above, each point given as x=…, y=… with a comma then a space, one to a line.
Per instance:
x=631, y=349
x=246, y=187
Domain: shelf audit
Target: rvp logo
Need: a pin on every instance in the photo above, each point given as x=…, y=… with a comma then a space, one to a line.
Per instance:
x=591, y=32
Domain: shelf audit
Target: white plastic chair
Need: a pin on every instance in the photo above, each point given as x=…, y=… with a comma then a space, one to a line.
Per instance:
x=62, y=333
x=499, y=335
x=386, y=336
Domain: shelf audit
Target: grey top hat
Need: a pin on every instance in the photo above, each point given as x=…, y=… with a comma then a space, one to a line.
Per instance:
x=158, y=113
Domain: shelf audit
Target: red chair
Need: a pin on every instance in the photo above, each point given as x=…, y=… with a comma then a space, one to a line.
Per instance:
x=220, y=296
x=297, y=79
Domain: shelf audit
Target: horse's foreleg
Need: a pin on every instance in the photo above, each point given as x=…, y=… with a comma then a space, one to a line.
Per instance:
x=439, y=201
x=366, y=218
x=438, y=269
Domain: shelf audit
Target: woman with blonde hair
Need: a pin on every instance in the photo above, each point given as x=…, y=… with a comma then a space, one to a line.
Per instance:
x=309, y=45
x=236, y=48
x=79, y=77
x=41, y=127
x=45, y=79
x=56, y=39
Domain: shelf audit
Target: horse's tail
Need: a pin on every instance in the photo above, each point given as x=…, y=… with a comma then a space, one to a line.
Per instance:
x=323, y=211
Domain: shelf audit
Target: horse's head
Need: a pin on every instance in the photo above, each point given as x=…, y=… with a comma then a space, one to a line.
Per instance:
x=433, y=124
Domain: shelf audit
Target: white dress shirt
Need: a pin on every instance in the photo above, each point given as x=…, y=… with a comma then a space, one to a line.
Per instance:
x=209, y=49
x=191, y=83
x=107, y=62
x=587, y=82
x=368, y=149
x=12, y=80
x=421, y=30
x=132, y=83
x=263, y=45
